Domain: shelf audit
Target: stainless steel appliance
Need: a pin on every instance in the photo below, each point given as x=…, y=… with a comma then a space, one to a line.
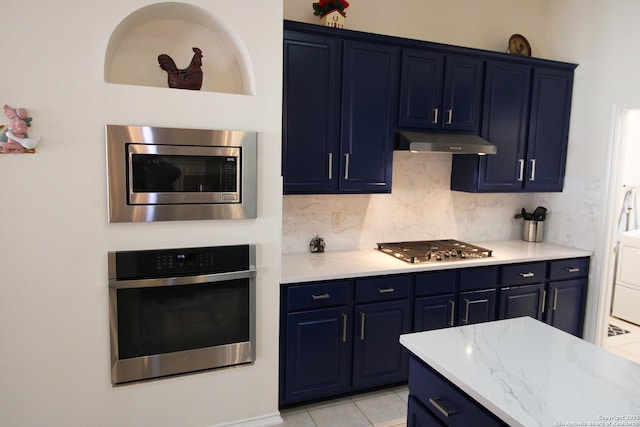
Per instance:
x=433, y=251
x=176, y=311
x=626, y=290
x=167, y=174
x=429, y=142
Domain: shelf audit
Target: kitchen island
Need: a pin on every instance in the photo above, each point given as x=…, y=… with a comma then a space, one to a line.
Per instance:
x=520, y=372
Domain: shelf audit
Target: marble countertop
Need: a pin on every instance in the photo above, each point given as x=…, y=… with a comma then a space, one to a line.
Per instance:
x=309, y=267
x=531, y=374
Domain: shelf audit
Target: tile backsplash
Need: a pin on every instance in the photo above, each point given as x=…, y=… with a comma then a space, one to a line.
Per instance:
x=420, y=207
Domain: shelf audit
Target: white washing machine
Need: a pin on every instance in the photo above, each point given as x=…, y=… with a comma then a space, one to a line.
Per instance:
x=626, y=293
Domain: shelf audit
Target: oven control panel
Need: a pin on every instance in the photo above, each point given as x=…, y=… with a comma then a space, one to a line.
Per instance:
x=178, y=262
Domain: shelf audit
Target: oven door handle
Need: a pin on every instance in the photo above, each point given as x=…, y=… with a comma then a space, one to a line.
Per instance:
x=183, y=280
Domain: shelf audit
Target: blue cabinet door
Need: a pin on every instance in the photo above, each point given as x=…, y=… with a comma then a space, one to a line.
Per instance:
x=311, y=119
x=462, y=93
x=378, y=357
x=521, y=301
x=369, y=111
x=548, y=129
x=440, y=91
x=506, y=112
x=476, y=306
x=565, y=305
x=421, y=89
x=434, y=312
x=318, y=356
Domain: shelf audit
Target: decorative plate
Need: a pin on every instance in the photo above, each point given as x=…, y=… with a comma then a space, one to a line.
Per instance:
x=518, y=45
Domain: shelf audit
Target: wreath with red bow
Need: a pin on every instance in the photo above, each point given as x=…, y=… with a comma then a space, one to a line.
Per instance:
x=322, y=7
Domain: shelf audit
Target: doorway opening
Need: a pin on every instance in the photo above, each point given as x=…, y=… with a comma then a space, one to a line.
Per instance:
x=623, y=176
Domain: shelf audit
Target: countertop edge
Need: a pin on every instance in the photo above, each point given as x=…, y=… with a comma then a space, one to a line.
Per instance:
x=312, y=267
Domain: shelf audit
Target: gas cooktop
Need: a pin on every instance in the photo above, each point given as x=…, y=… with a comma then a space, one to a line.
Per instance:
x=433, y=251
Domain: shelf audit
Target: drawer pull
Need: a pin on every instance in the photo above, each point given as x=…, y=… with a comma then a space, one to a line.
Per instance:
x=443, y=407
x=555, y=299
x=319, y=297
x=544, y=300
x=362, y=317
x=529, y=274
x=386, y=290
x=572, y=269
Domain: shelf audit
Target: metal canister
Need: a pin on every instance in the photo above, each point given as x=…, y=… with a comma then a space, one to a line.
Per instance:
x=532, y=230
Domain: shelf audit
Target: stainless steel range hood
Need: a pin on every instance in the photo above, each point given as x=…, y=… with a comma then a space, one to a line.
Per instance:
x=424, y=142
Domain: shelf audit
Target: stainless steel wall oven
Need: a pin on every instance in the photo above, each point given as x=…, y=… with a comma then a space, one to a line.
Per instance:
x=165, y=174
x=177, y=311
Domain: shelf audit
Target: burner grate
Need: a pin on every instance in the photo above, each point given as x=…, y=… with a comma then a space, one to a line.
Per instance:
x=433, y=251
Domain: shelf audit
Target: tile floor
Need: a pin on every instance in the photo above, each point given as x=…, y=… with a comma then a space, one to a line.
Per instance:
x=626, y=345
x=387, y=408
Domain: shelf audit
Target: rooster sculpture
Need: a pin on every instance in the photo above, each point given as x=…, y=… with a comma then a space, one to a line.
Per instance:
x=187, y=78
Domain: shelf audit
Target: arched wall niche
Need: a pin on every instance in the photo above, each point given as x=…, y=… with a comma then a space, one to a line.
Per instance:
x=174, y=28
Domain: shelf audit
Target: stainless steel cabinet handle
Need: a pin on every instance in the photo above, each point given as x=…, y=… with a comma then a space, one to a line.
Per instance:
x=555, y=299
x=330, y=165
x=544, y=300
x=466, y=311
x=443, y=407
x=449, y=116
x=453, y=306
x=529, y=274
x=572, y=269
x=533, y=170
x=319, y=297
x=346, y=165
x=435, y=115
x=386, y=290
x=344, y=327
x=467, y=303
x=362, y=317
x=521, y=173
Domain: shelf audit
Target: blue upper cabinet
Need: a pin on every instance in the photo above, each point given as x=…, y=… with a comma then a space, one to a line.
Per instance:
x=548, y=129
x=439, y=91
x=311, y=120
x=526, y=115
x=346, y=93
x=369, y=108
x=339, y=112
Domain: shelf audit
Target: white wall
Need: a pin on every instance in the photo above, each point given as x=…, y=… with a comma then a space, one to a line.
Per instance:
x=54, y=234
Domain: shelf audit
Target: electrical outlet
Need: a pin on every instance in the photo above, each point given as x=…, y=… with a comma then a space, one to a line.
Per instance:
x=337, y=219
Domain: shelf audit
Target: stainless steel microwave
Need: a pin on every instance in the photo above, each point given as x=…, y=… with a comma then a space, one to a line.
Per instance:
x=169, y=174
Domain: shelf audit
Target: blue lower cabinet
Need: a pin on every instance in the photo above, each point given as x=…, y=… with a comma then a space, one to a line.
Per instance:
x=476, y=306
x=318, y=354
x=438, y=399
x=521, y=301
x=565, y=305
x=419, y=416
x=435, y=312
x=342, y=336
x=378, y=357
